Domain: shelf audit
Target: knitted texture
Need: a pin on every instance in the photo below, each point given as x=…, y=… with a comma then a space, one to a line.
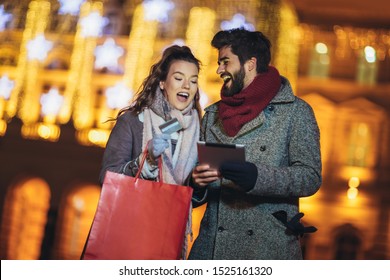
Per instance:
x=237, y=110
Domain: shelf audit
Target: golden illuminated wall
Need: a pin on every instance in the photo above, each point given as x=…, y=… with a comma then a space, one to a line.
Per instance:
x=359, y=126
x=76, y=214
x=24, y=97
x=279, y=22
x=82, y=104
x=198, y=37
x=24, y=219
x=325, y=113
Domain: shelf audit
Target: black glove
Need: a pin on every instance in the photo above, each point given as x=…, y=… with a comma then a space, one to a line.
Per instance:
x=244, y=174
x=294, y=226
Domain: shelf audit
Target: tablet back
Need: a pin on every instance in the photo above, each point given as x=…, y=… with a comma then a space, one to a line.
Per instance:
x=215, y=154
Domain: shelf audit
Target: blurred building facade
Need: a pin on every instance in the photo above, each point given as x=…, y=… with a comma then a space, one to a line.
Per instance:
x=67, y=68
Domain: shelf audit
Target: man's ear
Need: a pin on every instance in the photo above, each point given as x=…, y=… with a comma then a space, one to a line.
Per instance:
x=251, y=64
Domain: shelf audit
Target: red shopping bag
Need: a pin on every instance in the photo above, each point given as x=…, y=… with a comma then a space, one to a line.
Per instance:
x=138, y=219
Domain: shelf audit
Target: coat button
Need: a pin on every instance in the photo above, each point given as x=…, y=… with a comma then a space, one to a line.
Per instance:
x=249, y=232
x=262, y=148
x=271, y=107
x=221, y=229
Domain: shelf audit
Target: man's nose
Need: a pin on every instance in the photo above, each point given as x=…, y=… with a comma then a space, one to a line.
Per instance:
x=220, y=69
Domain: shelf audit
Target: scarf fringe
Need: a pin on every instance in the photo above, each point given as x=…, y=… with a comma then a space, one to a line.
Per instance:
x=188, y=236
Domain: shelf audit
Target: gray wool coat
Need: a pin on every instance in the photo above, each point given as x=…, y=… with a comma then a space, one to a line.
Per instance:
x=284, y=144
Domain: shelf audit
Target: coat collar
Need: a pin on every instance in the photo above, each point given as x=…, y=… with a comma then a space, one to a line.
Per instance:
x=285, y=95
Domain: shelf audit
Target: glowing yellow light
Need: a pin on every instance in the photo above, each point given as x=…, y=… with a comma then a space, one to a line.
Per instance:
x=78, y=203
x=199, y=35
x=362, y=129
x=354, y=182
x=281, y=26
x=84, y=98
x=98, y=137
x=25, y=80
x=141, y=43
x=44, y=131
x=93, y=136
x=49, y=132
x=370, y=54
x=352, y=193
x=321, y=48
x=3, y=127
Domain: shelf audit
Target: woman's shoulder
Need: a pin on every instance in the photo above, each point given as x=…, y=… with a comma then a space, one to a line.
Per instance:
x=128, y=118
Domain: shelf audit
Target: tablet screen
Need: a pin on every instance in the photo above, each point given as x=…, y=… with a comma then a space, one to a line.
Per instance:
x=215, y=154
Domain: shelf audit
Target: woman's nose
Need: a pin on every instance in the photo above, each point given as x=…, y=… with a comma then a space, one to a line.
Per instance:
x=186, y=84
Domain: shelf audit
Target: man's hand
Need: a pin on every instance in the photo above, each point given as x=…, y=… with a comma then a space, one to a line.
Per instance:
x=244, y=174
x=202, y=175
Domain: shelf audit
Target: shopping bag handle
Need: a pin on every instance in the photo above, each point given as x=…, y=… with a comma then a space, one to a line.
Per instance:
x=144, y=154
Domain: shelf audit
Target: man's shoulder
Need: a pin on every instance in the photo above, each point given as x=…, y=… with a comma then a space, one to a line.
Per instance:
x=212, y=108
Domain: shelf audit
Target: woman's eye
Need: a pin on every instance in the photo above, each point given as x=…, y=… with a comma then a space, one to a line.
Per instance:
x=178, y=79
x=194, y=82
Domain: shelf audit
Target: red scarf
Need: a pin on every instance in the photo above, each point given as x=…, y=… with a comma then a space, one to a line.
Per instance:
x=239, y=109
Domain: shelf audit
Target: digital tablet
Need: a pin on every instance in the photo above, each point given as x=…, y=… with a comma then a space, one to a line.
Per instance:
x=215, y=154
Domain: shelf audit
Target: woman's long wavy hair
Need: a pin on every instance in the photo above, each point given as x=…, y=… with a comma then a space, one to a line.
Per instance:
x=158, y=72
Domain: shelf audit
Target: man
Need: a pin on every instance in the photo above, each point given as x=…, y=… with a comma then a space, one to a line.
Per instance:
x=253, y=207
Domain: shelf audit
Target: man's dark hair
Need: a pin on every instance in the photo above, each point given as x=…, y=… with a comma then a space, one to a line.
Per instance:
x=245, y=44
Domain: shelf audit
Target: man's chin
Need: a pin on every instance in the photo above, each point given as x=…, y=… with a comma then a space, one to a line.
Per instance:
x=225, y=91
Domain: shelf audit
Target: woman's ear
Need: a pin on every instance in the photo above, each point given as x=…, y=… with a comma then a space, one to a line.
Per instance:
x=162, y=85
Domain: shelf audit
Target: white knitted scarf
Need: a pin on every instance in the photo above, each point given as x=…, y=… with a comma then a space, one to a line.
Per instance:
x=176, y=167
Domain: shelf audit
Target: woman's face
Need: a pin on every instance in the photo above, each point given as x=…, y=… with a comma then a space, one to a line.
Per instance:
x=181, y=84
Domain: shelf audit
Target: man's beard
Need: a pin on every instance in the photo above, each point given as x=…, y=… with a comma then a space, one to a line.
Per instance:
x=237, y=83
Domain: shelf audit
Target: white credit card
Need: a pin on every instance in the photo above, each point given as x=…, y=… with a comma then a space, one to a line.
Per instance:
x=170, y=126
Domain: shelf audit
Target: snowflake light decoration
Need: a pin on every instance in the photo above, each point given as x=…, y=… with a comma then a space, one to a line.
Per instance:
x=51, y=102
x=238, y=21
x=118, y=96
x=38, y=48
x=92, y=25
x=71, y=7
x=6, y=86
x=107, y=55
x=157, y=10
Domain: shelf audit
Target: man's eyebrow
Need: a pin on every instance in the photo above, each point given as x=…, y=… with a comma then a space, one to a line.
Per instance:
x=222, y=59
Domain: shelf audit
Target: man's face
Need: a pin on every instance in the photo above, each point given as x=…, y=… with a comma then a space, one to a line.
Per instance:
x=231, y=71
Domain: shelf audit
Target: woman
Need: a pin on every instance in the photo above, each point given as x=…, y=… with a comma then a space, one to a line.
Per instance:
x=170, y=91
